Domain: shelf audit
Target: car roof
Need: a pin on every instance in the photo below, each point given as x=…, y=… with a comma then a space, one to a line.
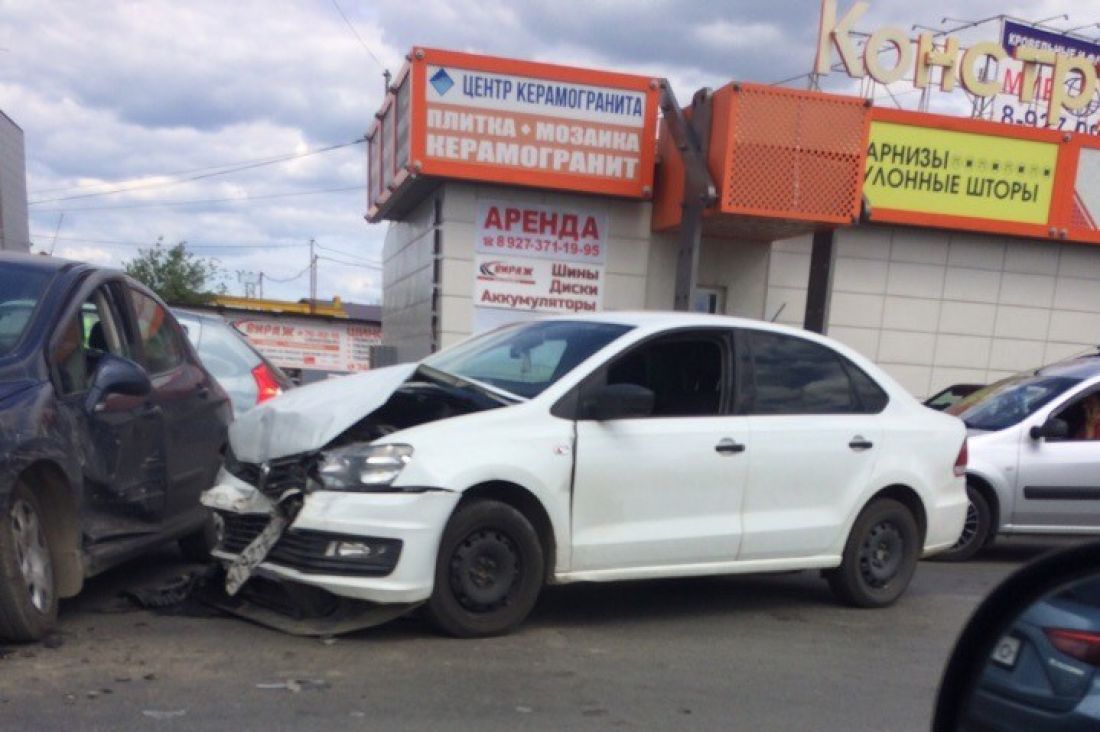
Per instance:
x=662, y=319
x=1079, y=367
x=38, y=262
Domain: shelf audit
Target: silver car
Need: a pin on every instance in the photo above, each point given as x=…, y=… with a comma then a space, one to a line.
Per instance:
x=1034, y=463
x=242, y=371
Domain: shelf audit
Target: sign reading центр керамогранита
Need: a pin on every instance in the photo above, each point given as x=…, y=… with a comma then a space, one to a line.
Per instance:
x=501, y=120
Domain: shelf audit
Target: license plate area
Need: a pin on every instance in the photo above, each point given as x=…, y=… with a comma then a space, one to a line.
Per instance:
x=1006, y=652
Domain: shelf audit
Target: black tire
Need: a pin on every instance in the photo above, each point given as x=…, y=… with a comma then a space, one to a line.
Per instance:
x=977, y=531
x=879, y=558
x=28, y=592
x=489, y=571
x=196, y=547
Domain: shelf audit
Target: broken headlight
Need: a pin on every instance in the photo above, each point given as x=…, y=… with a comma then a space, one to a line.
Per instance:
x=362, y=467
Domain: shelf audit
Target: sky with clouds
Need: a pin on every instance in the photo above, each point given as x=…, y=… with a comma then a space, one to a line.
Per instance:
x=139, y=94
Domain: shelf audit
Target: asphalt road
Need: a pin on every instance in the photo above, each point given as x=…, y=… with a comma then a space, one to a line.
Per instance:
x=737, y=653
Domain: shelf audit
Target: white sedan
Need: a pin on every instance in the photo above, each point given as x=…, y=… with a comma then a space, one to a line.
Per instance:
x=598, y=448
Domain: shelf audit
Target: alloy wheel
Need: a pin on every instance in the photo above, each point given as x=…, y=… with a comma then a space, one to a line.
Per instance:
x=32, y=554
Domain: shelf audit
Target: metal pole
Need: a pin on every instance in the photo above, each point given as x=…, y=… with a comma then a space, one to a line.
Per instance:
x=312, y=278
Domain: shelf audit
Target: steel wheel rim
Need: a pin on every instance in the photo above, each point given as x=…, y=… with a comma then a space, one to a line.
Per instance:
x=32, y=555
x=970, y=526
x=881, y=554
x=486, y=569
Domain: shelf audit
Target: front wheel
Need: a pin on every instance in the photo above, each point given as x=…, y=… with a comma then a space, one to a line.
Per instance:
x=28, y=594
x=489, y=571
x=880, y=556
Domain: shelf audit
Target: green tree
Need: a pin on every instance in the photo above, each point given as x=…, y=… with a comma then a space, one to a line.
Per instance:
x=176, y=274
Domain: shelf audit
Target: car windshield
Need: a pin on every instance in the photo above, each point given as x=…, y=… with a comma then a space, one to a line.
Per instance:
x=20, y=290
x=524, y=359
x=1008, y=402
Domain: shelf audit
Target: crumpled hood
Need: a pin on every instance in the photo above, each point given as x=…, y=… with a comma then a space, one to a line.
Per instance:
x=310, y=417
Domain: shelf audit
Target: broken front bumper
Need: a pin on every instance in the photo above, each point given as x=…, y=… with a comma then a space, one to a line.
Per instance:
x=379, y=547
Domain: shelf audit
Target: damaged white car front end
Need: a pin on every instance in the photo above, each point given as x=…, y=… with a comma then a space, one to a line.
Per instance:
x=299, y=504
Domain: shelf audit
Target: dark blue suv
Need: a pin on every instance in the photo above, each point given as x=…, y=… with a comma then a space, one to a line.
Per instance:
x=110, y=428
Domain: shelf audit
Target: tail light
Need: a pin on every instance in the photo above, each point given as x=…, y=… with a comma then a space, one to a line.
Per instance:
x=1079, y=644
x=961, y=460
x=266, y=385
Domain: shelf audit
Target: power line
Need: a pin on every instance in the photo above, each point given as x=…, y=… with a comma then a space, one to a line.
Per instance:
x=215, y=173
x=202, y=201
x=190, y=244
x=347, y=254
x=288, y=279
x=350, y=264
x=276, y=158
x=361, y=41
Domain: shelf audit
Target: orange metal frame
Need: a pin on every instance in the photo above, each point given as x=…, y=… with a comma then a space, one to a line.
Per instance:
x=1067, y=163
x=422, y=57
x=1064, y=176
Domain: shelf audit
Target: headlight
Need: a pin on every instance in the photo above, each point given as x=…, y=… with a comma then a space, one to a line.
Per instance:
x=362, y=467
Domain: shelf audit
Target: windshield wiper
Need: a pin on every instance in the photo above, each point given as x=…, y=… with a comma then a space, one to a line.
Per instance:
x=453, y=380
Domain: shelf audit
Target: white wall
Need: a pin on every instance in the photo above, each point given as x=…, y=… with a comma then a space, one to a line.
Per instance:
x=936, y=308
x=408, y=285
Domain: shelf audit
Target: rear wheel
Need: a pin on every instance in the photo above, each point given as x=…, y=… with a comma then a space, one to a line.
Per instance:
x=489, y=571
x=977, y=528
x=28, y=593
x=880, y=556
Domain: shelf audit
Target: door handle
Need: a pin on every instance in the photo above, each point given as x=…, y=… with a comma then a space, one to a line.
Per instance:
x=859, y=442
x=150, y=410
x=202, y=390
x=726, y=446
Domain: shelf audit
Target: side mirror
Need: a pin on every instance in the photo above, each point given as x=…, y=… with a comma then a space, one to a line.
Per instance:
x=1030, y=650
x=618, y=401
x=116, y=375
x=1052, y=429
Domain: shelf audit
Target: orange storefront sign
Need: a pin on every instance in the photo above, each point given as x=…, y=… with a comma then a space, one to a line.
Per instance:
x=462, y=116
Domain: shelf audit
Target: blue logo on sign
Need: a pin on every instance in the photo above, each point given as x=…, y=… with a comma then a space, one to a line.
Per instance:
x=442, y=81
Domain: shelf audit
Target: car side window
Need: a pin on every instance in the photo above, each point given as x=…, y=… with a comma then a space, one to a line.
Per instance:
x=160, y=338
x=796, y=376
x=684, y=372
x=82, y=340
x=1083, y=417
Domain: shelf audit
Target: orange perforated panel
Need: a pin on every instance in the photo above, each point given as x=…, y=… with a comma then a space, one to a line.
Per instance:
x=789, y=154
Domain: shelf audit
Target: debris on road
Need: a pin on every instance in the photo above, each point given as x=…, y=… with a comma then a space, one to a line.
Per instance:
x=168, y=714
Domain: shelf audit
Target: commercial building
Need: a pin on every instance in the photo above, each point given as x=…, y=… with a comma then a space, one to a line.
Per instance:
x=14, y=225
x=946, y=249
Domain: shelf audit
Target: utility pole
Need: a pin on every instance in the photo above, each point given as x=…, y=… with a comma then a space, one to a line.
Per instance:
x=261, y=285
x=312, y=277
x=56, y=231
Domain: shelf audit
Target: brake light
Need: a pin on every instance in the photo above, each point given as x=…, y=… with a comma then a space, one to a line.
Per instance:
x=1079, y=644
x=961, y=460
x=266, y=385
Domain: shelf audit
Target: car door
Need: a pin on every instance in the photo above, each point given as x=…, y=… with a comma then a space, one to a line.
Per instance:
x=665, y=489
x=812, y=418
x=1058, y=480
x=192, y=407
x=121, y=439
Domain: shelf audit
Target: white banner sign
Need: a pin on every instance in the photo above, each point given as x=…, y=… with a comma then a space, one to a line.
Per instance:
x=538, y=259
x=342, y=347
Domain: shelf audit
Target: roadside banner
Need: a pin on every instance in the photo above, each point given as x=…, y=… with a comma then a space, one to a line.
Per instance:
x=315, y=346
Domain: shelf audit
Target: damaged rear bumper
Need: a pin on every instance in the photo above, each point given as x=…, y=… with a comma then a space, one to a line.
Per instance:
x=377, y=547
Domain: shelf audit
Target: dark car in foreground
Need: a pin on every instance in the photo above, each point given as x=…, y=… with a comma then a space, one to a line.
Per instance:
x=1043, y=672
x=243, y=372
x=110, y=428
